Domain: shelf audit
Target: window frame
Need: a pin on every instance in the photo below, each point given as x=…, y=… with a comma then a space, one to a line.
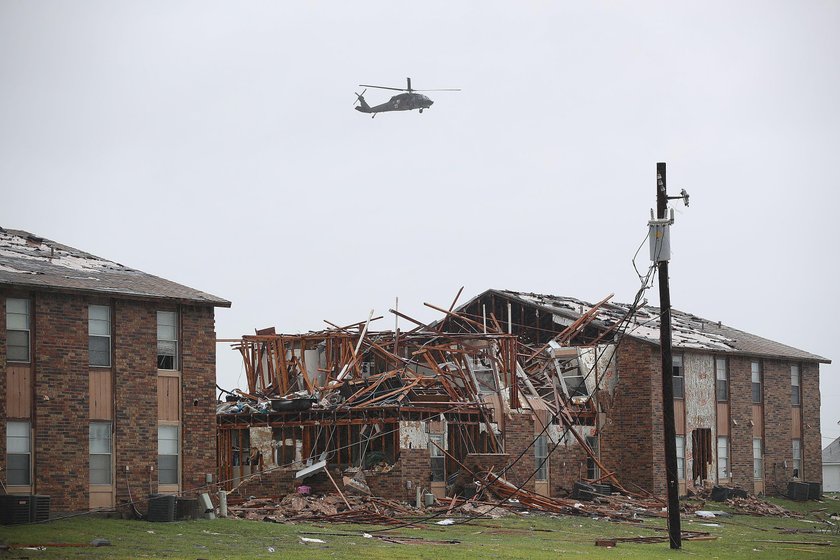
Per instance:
x=27, y=453
x=680, y=456
x=593, y=472
x=758, y=461
x=721, y=377
x=796, y=389
x=723, y=458
x=757, y=387
x=678, y=394
x=176, y=327
x=92, y=336
x=796, y=463
x=110, y=452
x=437, y=459
x=177, y=455
x=541, y=458
x=28, y=330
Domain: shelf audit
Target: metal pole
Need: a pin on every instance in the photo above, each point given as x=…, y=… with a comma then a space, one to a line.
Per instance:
x=674, y=529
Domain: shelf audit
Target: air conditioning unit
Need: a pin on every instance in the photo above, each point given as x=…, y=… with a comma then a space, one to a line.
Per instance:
x=15, y=510
x=39, y=508
x=161, y=507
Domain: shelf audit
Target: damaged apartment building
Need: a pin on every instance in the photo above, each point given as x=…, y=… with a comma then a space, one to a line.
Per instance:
x=542, y=390
x=107, y=377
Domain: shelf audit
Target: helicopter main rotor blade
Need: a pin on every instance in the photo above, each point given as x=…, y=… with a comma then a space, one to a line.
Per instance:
x=445, y=89
x=383, y=87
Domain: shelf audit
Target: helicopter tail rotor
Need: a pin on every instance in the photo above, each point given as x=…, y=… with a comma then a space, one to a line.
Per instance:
x=363, y=106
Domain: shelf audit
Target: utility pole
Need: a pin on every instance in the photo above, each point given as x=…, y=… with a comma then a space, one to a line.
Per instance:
x=674, y=529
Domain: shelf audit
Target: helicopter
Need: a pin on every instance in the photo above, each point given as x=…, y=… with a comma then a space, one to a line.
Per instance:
x=400, y=102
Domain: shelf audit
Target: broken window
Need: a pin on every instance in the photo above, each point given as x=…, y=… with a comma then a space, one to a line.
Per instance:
x=723, y=457
x=437, y=458
x=680, y=457
x=100, y=452
x=18, y=453
x=168, y=454
x=99, y=335
x=541, y=457
x=755, y=368
x=17, y=330
x=795, y=395
x=722, y=376
x=678, y=377
x=758, y=459
x=797, y=457
x=167, y=340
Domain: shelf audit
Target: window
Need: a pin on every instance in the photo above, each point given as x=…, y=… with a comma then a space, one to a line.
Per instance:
x=797, y=458
x=722, y=376
x=18, y=452
x=168, y=454
x=17, y=330
x=541, y=457
x=756, y=382
x=592, y=470
x=99, y=335
x=758, y=459
x=100, y=453
x=575, y=382
x=167, y=340
x=723, y=457
x=679, y=377
x=437, y=458
x=795, y=395
x=680, y=457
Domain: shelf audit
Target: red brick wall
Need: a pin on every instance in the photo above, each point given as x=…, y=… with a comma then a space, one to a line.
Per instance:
x=199, y=395
x=628, y=438
x=777, y=432
x=811, y=435
x=135, y=413
x=60, y=446
x=519, y=434
x=741, y=430
x=567, y=465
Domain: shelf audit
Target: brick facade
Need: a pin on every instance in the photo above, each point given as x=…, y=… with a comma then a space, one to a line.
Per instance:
x=811, y=434
x=198, y=396
x=519, y=434
x=61, y=388
x=741, y=429
x=628, y=438
x=60, y=444
x=778, y=449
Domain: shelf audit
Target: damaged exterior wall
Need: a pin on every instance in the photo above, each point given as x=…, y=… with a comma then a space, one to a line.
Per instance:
x=700, y=406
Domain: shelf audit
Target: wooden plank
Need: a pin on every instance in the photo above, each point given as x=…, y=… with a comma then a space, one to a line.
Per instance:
x=723, y=418
x=679, y=416
x=758, y=420
x=101, y=395
x=18, y=391
x=796, y=422
x=169, y=398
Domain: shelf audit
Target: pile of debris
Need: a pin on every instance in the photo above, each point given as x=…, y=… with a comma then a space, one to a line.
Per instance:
x=330, y=507
x=757, y=507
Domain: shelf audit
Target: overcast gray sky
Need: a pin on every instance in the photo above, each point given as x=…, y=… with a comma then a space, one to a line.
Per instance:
x=215, y=144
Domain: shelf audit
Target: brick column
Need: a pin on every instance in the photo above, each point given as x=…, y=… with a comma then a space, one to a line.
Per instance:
x=60, y=445
x=135, y=392
x=198, y=381
x=519, y=433
x=811, y=435
x=741, y=436
x=778, y=449
x=628, y=439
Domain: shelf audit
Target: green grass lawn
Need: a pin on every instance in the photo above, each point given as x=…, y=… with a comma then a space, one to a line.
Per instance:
x=529, y=536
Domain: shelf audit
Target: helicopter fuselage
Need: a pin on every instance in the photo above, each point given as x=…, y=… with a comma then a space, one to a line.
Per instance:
x=399, y=102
